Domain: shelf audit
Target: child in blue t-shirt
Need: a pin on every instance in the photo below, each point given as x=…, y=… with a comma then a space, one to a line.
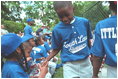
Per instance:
x=45, y=48
x=72, y=36
x=36, y=55
x=105, y=44
x=28, y=28
x=16, y=65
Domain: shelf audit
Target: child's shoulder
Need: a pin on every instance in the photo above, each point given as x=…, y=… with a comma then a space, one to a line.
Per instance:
x=11, y=65
x=57, y=26
x=105, y=21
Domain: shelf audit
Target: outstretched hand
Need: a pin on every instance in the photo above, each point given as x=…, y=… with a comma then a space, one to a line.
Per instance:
x=43, y=69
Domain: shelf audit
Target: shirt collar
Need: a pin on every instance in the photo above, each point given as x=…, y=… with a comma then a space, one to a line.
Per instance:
x=72, y=21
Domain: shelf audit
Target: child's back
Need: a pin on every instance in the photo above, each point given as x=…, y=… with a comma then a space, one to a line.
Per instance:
x=12, y=69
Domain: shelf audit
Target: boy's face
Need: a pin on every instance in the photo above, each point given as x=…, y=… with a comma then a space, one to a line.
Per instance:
x=32, y=23
x=65, y=14
x=32, y=42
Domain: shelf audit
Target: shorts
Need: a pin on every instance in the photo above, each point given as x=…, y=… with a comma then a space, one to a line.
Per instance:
x=78, y=69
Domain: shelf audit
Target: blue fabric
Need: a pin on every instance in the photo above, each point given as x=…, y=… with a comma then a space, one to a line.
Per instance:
x=47, y=37
x=44, y=50
x=36, y=54
x=105, y=40
x=28, y=30
x=12, y=69
x=26, y=38
x=9, y=43
x=29, y=20
x=47, y=47
x=72, y=39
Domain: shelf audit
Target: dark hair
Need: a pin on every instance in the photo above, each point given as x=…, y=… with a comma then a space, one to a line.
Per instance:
x=12, y=55
x=19, y=58
x=113, y=6
x=61, y=4
x=26, y=45
x=38, y=38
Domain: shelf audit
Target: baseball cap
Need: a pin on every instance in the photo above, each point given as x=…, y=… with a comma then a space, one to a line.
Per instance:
x=27, y=37
x=29, y=20
x=9, y=43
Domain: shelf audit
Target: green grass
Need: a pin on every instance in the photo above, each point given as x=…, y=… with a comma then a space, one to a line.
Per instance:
x=58, y=72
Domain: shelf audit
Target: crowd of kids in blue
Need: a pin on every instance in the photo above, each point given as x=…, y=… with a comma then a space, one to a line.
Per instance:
x=32, y=57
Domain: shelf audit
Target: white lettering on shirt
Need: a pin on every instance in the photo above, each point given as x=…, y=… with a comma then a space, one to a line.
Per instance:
x=108, y=33
x=75, y=46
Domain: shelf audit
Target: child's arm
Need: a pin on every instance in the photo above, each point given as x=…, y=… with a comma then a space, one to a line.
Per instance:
x=51, y=55
x=90, y=42
x=39, y=59
x=96, y=62
x=89, y=34
x=43, y=69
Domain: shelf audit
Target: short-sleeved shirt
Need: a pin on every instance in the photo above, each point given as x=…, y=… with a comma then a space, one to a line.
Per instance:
x=38, y=52
x=105, y=40
x=28, y=30
x=72, y=39
x=12, y=69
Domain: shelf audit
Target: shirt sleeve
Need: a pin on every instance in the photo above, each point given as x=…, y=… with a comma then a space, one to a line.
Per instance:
x=56, y=40
x=89, y=34
x=98, y=49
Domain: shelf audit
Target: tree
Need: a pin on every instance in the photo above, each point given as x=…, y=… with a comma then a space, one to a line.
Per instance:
x=10, y=10
x=12, y=26
x=43, y=10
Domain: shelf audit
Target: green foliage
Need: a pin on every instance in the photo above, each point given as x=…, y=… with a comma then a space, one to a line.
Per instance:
x=43, y=10
x=11, y=10
x=92, y=10
x=12, y=26
x=95, y=12
x=58, y=73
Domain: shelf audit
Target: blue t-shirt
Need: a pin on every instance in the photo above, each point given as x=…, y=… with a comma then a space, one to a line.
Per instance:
x=28, y=30
x=47, y=47
x=72, y=39
x=105, y=40
x=12, y=69
x=38, y=52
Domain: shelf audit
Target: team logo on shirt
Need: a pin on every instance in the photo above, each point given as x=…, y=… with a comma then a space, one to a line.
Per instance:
x=108, y=33
x=77, y=44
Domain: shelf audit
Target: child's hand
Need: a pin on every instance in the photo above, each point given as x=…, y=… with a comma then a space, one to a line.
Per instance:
x=29, y=58
x=42, y=58
x=43, y=69
x=44, y=62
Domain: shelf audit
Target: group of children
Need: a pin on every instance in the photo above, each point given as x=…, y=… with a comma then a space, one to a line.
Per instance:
x=30, y=56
